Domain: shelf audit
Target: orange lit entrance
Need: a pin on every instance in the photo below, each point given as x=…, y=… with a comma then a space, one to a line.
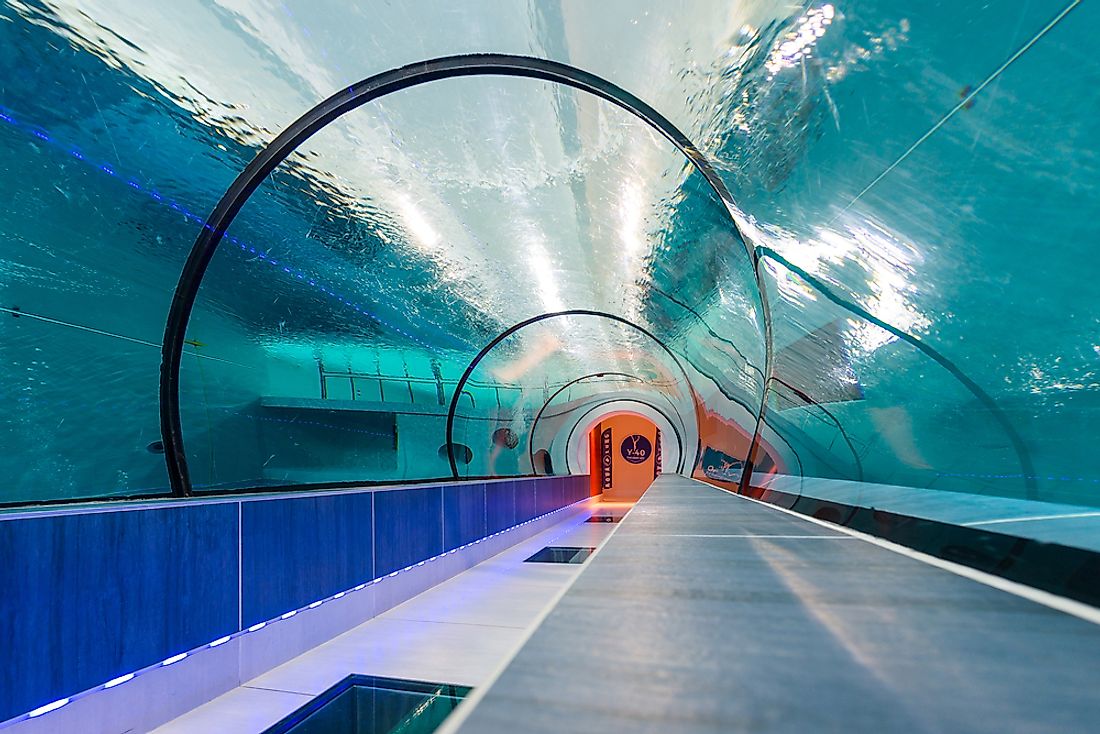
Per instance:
x=624, y=456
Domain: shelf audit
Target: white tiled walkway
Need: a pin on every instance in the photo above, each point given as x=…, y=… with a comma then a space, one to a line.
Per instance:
x=460, y=632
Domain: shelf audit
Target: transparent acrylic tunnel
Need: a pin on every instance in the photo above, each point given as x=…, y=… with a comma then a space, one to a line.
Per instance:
x=904, y=276
x=562, y=203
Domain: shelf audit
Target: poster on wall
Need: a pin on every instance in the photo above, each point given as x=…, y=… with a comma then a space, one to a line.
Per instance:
x=605, y=460
x=721, y=466
x=636, y=449
x=657, y=456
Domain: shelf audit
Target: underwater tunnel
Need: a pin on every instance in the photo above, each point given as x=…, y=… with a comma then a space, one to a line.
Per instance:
x=313, y=311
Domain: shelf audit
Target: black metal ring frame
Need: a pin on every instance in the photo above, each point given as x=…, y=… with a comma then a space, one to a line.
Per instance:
x=797, y=456
x=698, y=317
x=545, y=405
x=597, y=406
x=844, y=434
x=523, y=324
x=357, y=95
x=1017, y=441
x=671, y=405
x=767, y=381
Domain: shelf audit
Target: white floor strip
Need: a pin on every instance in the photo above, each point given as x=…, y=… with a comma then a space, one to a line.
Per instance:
x=751, y=535
x=455, y=720
x=1034, y=518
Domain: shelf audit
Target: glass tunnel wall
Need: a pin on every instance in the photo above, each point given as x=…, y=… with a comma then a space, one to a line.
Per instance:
x=919, y=181
x=935, y=216
x=607, y=359
x=418, y=259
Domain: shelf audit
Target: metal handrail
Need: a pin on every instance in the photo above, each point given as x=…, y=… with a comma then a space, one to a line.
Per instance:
x=325, y=375
x=440, y=382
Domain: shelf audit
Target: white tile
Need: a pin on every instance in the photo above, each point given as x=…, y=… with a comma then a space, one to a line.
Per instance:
x=431, y=651
x=518, y=570
x=241, y=711
x=957, y=508
x=510, y=598
x=504, y=591
x=567, y=532
x=1081, y=532
x=285, y=639
x=586, y=533
x=392, y=590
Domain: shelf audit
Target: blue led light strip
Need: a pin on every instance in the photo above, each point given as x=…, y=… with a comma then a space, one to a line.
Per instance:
x=7, y=116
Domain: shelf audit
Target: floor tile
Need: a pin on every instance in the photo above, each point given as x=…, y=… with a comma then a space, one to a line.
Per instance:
x=241, y=711
x=439, y=652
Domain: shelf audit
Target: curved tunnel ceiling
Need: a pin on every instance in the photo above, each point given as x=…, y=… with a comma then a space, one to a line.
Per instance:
x=917, y=162
x=531, y=243
x=573, y=403
x=670, y=383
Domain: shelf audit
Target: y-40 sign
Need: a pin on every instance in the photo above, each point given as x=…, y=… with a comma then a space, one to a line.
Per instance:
x=636, y=449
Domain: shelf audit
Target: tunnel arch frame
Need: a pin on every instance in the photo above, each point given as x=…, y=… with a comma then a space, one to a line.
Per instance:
x=351, y=98
x=1019, y=446
x=681, y=448
x=453, y=409
x=563, y=388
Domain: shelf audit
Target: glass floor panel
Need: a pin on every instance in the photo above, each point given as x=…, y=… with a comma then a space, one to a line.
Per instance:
x=362, y=704
x=561, y=554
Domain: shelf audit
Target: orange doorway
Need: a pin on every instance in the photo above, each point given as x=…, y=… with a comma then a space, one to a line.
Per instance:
x=624, y=456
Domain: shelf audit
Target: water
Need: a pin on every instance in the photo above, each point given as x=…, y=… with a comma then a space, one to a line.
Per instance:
x=363, y=704
x=413, y=231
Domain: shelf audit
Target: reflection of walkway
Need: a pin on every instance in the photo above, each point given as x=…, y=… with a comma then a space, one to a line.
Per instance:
x=624, y=498
x=1048, y=522
x=731, y=615
x=613, y=507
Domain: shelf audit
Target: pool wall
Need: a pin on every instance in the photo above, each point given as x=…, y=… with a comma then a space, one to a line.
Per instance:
x=98, y=592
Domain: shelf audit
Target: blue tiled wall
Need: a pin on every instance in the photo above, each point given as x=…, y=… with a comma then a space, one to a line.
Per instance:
x=526, y=506
x=500, y=505
x=408, y=527
x=296, y=551
x=88, y=596
x=575, y=488
x=464, y=514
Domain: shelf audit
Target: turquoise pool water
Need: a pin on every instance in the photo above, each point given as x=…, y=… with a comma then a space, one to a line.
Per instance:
x=921, y=182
